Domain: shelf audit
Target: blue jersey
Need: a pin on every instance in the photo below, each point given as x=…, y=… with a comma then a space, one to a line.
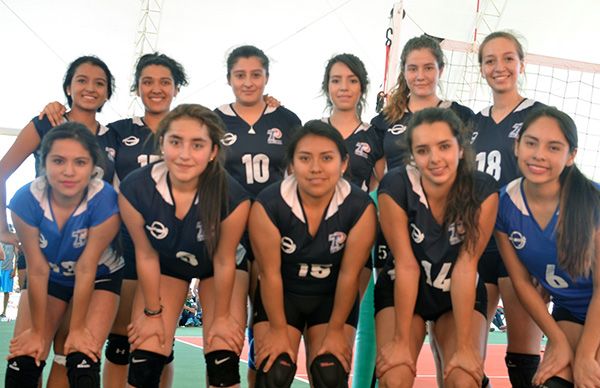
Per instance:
x=134, y=146
x=255, y=155
x=364, y=150
x=103, y=136
x=536, y=248
x=392, y=135
x=179, y=242
x=62, y=247
x=435, y=247
x=310, y=265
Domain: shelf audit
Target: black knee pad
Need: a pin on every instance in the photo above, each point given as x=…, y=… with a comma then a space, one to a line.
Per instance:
x=145, y=368
x=117, y=349
x=82, y=371
x=222, y=368
x=280, y=375
x=21, y=372
x=327, y=372
x=485, y=382
x=556, y=382
x=521, y=368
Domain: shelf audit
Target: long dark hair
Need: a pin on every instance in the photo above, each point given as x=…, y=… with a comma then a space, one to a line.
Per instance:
x=462, y=207
x=398, y=102
x=212, y=183
x=579, y=204
x=357, y=67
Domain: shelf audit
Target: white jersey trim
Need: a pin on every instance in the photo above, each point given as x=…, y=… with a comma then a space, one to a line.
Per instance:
x=39, y=190
x=414, y=176
x=513, y=189
x=526, y=103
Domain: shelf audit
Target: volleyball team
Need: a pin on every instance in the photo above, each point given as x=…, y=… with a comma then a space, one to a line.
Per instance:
x=265, y=210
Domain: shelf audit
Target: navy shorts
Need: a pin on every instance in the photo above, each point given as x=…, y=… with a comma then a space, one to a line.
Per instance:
x=491, y=267
x=111, y=282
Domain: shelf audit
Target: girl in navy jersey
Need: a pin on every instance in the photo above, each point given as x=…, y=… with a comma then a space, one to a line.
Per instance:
x=157, y=81
x=421, y=66
x=87, y=85
x=311, y=234
x=437, y=215
x=548, y=227
x=66, y=220
x=495, y=129
x=255, y=140
x=187, y=226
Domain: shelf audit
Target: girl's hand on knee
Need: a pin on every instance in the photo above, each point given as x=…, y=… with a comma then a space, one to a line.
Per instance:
x=469, y=360
x=28, y=343
x=586, y=372
x=143, y=328
x=393, y=354
x=228, y=330
x=82, y=340
x=557, y=356
x=335, y=342
x=271, y=345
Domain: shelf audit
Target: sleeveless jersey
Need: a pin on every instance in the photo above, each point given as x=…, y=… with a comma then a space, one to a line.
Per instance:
x=310, y=265
x=536, y=248
x=179, y=243
x=63, y=247
x=255, y=154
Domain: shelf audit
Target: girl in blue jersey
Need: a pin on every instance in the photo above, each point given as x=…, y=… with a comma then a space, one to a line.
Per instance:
x=185, y=217
x=66, y=220
x=548, y=227
x=437, y=215
x=311, y=234
x=495, y=129
x=157, y=81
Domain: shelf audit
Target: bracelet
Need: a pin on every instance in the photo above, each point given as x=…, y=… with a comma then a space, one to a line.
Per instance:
x=153, y=313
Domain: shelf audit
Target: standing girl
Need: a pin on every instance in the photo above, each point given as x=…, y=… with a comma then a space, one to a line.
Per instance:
x=66, y=220
x=548, y=227
x=495, y=129
x=437, y=215
x=187, y=226
x=311, y=234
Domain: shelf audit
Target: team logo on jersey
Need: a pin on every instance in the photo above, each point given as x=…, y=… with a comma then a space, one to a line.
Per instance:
x=80, y=237
x=474, y=136
x=43, y=241
x=228, y=139
x=287, y=245
x=416, y=233
x=517, y=239
x=362, y=149
x=515, y=131
x=200, y=234
x=397, y=129
x=158, y=230
x=187, y=257
x=110, y=152
x=274, y=136
x=336, y=241
x=456, y=231
x=130, y=141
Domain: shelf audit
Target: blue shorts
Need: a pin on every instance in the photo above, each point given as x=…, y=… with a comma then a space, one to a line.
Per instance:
x=6, y=281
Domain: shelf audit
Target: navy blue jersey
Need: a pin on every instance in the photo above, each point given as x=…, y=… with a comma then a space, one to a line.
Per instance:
x=62, y=247
x=364, y=149
x=103, y=136
x=392, y=134
x=435, y=247
x=537, y=250
x=310, y=265
x=255, y=154
x=134, y=146
x=494, y=143
x=179, y=243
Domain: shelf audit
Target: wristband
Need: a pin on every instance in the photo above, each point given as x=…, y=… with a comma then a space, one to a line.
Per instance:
x=153, y=313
